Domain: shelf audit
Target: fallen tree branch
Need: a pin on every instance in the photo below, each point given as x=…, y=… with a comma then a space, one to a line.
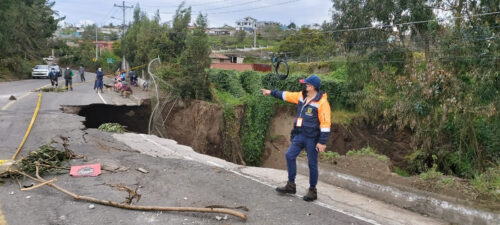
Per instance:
x=133, y=207
x=39, y=185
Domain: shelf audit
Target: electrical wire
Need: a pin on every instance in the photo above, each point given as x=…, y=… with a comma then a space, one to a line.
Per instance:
x=231, y=6
x=251, y=9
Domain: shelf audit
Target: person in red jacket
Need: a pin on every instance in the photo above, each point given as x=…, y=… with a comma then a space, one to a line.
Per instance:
x=311, y=131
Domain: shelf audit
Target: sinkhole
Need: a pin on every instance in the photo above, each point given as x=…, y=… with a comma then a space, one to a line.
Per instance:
x=134, y=118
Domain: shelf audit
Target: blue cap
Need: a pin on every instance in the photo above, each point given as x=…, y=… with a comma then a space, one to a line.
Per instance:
x=312, y=80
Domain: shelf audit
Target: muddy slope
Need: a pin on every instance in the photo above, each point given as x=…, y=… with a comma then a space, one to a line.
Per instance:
x=197, y=124
x=200, y=124
x=394, y=144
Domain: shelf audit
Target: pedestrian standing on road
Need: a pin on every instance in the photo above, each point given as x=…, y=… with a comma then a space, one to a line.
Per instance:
x=133, y=78
x=98, y=82
x=53, y=77
x=82, y=73
x=311, y=131
x=68, y=76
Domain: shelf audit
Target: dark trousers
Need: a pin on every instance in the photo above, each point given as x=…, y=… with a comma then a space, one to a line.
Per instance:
x=69, y=82
x=82, y=77
x=300, y=142
x=53, y=81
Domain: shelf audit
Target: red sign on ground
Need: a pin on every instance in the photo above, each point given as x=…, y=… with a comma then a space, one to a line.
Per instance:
x=92, y=170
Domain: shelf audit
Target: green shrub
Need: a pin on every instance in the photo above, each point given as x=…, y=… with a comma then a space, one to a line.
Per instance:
x=258, y=113
x=112, y=127
x=228, y=81
x=251, y=82
x=488, y=183
x=401, y=172
x=417, y=162
x=432, y=173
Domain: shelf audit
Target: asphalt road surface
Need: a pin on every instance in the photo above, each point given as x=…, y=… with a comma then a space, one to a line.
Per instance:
x=172, y=179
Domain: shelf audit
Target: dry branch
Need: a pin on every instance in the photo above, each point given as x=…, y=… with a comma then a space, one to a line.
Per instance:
x=39, y=185
x=132, y=207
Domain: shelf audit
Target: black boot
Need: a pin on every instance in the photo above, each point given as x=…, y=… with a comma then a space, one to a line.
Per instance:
x=289, y=188
x=311, y=195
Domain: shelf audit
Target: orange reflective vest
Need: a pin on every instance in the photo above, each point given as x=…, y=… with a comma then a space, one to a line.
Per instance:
x=316, y=115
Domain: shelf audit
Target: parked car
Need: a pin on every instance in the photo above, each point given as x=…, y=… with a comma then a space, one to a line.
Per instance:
x=57, y=69
x=40, y=71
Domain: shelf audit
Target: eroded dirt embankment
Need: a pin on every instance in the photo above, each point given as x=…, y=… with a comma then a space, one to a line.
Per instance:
x=200, y=125
x=197, y=124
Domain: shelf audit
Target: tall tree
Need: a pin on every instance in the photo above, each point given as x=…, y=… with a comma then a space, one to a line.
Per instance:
x=25, y=28
x=195, y=60
x=180, y=29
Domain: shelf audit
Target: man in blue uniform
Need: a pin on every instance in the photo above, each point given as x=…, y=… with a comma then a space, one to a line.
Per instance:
x=311, y=131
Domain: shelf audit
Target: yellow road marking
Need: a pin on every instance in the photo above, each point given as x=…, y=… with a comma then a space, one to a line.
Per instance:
x=2, y=218
x=30, y=126
x=12, y=101
x=26, y=94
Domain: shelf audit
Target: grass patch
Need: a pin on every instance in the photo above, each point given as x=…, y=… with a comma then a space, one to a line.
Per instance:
x=401, y=172
x=329, y=155
x=488, y=183
x=432, y=173
x=112, y=127
x=226, y=98
x=367, y=151
x=447, y=180
x=343, y=117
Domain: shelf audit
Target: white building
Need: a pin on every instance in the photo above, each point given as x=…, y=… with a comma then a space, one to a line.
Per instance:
x=247, y=24
x=110, y=30
x=221, y=31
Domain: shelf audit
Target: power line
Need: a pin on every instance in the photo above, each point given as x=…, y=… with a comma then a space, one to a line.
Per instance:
x=250, y=9
x=124, y=7
x=209, y=3
x=230, y=6
x=236, y=5
x=403, y=24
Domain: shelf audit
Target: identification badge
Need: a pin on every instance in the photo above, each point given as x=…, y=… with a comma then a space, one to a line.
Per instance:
x=299, y=122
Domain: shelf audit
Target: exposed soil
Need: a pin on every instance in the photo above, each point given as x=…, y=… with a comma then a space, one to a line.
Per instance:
x=197, y=124
x=393, y=144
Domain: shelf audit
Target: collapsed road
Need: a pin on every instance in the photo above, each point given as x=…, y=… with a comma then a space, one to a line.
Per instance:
x=171, y=175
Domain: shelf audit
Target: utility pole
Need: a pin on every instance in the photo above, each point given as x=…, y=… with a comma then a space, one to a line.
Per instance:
x=96, y=42
x=124, y=7
x=255, y=34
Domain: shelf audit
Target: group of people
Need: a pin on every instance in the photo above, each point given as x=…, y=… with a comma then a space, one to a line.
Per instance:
x=68, y=77
x=121, y=84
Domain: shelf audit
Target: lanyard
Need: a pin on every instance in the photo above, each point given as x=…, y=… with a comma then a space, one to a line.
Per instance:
x=306, y=103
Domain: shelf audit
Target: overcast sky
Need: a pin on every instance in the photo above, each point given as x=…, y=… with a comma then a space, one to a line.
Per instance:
x=219, y=12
